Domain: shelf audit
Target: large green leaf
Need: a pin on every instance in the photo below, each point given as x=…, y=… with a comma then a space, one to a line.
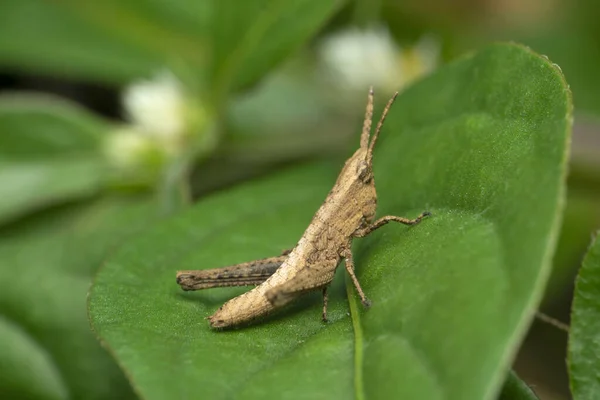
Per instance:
x=584, y=338
x=482, y=144
x=50, y=152
x=46, y=263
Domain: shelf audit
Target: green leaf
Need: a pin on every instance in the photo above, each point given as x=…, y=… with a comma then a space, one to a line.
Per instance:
x=230, y=44
x=251, y=37
x=41, y=36
x=584, y=343
x=38, y=125
x=32, y=185
x=50, y=152
x=482, y=144
x=515, y=389
x=177, y=30
x=26, y=369
x=48, y=350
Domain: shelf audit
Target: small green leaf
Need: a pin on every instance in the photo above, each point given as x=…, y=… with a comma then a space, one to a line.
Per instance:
x=580, y=217
x=584, y=338
x=515, y=389
x=46, y=264
x=42, y=36
x=50, y=152
x=482, y=144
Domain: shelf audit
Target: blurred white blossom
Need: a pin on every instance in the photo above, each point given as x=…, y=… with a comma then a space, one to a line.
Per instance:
x=166, y=126
x=157, y=106
x=165, y=123
x=356, y=59
x=127, y=147
x=420, y=59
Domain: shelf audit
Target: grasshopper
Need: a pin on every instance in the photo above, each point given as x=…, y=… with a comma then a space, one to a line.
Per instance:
x=347, y=213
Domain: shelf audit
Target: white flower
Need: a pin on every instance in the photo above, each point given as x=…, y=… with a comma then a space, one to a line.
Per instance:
x=167, y=127
x=357, y=58
x=157, y=107
x=126, y=148
x=420, y=59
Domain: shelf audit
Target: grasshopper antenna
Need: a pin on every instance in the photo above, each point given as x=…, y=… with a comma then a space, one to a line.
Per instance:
x=379, y=125
x=366, y=131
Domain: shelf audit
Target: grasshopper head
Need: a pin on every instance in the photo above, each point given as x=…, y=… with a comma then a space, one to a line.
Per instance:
x=359, y=168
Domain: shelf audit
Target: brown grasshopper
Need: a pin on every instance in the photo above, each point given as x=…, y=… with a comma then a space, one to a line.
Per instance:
x=347, y=213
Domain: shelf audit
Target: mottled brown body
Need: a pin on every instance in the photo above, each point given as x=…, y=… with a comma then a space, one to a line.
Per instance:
x=348, y=212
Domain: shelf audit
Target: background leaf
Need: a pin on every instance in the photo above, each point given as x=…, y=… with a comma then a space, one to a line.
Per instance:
x=177, y=30
x=26, y=368
x=584, y=346
x=50, y=152
x=38, y=184
x=45, y=267
x=251, y=37
x=43, y=37
x=227, y=44
x=482, y=143
x=34, y=125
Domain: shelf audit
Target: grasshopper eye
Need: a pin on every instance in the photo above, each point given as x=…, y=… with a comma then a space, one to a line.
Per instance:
x=364, y=172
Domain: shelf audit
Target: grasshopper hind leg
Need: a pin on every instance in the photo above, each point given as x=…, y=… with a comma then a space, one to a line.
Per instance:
x=245, y=274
